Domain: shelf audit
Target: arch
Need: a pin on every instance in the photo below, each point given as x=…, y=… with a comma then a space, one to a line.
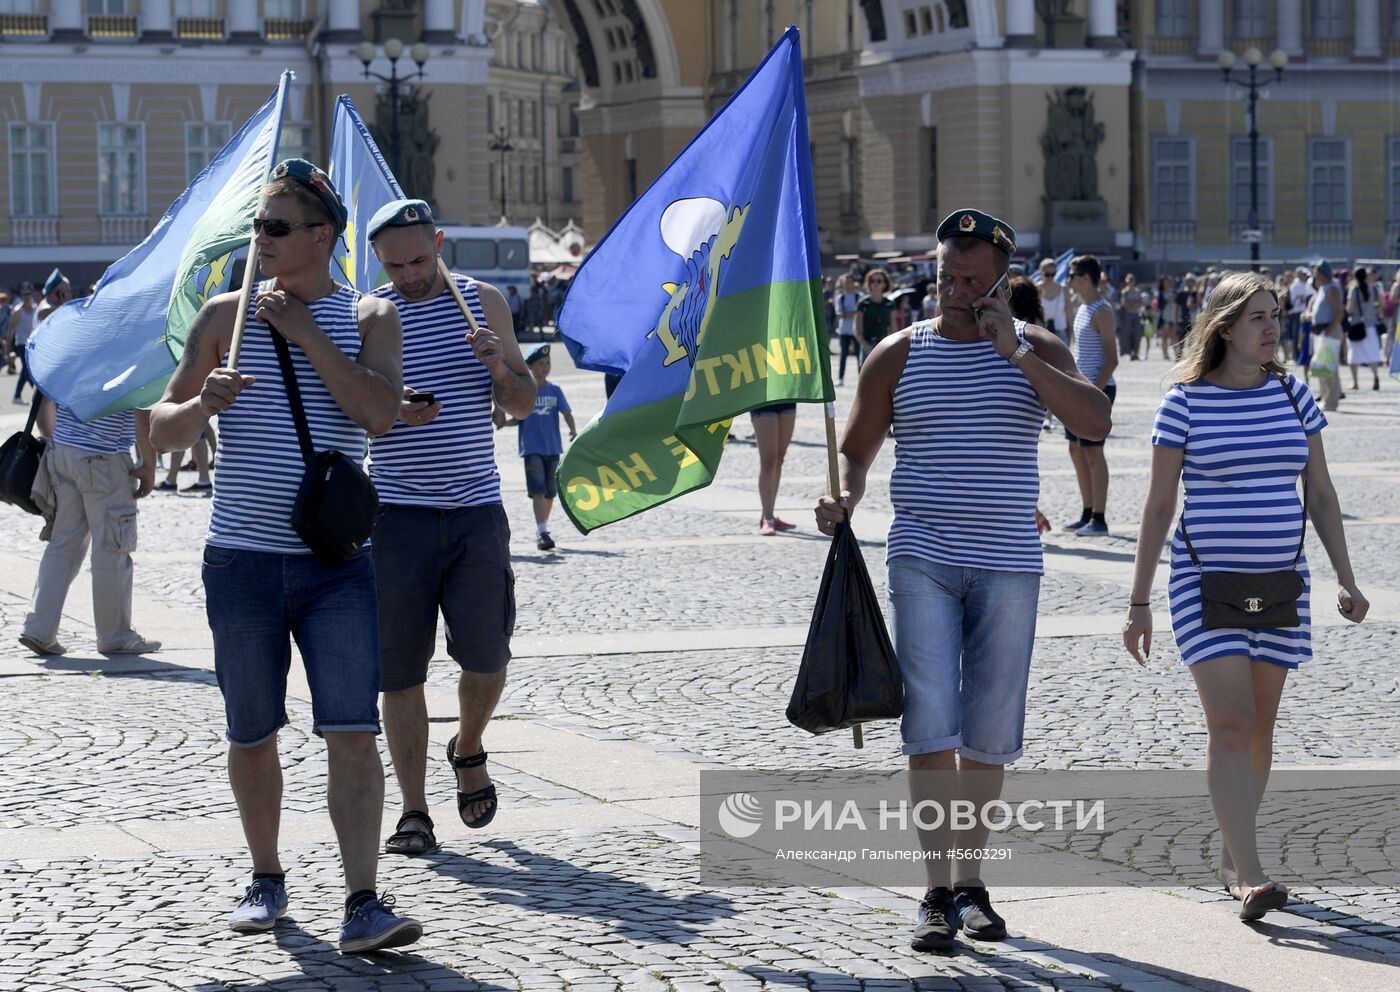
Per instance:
x=644, y=29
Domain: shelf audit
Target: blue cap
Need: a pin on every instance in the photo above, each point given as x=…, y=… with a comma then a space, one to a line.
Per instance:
x=537, y=352
x=399, y=213
x=51, y=283
x=1323, y=266
x=316, y=180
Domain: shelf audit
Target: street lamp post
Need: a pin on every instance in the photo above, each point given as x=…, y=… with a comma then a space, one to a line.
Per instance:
x=393, y=51
x=1252, y=84
x=500, y=142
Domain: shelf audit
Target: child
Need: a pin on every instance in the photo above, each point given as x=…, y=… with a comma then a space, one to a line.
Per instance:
x=540, y=443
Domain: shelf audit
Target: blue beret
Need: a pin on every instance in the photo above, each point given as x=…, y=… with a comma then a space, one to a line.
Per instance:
x=537, y=352
x=51, y=283
x=399, y=213
x=971, y=223
x=1323, y=266
x=316, y=180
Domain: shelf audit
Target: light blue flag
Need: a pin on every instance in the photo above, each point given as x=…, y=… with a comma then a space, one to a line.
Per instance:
x=359, y=172
x=115, y=349
x=1062, y=266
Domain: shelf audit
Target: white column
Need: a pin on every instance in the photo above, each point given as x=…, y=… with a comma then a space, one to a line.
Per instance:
x=439, y=24
x=156, y=20
x=1020, y=23
x=243, y=22
x=1103, y=24
x=1367, y=34
x=1211, y=28
x=66, y=20
x=1290, y=26
x=343, y=25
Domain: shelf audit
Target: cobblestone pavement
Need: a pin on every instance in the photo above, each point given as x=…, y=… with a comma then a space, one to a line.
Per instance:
x=137, y=749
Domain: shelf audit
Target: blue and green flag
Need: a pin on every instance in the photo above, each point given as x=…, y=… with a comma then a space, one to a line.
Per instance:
x=358, y=171
x=706, y=297
x=115, y=349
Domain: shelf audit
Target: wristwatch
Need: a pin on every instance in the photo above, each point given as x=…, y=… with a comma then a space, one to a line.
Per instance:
x=1021, y=352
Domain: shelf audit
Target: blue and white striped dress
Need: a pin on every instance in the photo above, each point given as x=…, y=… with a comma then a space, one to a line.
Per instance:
x=1088, y=345
x=1244, y=451
x=110, y=435
x=450, y=462
x=966, y=478
x=259, y=465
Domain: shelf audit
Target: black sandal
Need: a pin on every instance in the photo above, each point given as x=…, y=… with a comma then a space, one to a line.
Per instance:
x=483, y=795
x=404, y=839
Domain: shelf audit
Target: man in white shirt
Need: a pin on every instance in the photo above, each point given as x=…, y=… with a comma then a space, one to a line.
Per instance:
x=1299, y=295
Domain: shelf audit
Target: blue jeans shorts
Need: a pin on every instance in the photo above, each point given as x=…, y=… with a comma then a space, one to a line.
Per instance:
x=540, y=475
x=256, y=602
x=963, y=637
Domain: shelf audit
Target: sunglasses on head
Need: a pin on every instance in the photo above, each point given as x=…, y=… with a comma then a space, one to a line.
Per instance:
x=280, y=228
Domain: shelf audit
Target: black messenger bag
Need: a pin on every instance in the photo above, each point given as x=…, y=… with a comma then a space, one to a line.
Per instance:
x=19, y=462
x=336, y=506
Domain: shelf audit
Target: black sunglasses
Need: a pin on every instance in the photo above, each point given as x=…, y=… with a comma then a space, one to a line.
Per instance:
x=279, y=228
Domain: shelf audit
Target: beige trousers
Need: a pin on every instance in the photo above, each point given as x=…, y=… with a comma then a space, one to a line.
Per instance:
x=95, y=500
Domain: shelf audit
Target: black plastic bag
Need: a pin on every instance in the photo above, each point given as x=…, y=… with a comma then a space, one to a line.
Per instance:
x=849, y=674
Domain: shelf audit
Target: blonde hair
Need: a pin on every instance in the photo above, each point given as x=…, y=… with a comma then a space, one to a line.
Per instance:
x=879, y=273
x=1205, y=345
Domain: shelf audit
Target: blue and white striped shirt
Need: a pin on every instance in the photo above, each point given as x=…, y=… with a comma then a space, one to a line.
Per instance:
x=965, y=480
x=110, y=435
x=260, y=465
x=1088, y=345
x=450, y=462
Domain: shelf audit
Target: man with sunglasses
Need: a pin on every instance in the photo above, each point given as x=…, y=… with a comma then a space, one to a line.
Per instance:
x=262, y=584
x=966, y=394
x=443, y=535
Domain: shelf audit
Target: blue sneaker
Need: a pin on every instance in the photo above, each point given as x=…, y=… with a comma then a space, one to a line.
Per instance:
x=1075, y=525
x=373, y=926
x=1091, y=528
x=263, y=904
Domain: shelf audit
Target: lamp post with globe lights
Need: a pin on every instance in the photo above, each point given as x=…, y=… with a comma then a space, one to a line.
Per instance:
x=1253, y=84
x=393, y=51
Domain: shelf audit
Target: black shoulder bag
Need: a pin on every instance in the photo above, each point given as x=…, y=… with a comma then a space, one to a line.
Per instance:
x=336, y=506
x=19, y=462
x=1253, y=600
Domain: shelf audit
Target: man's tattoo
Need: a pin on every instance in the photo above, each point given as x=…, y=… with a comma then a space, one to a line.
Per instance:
x=195, y=338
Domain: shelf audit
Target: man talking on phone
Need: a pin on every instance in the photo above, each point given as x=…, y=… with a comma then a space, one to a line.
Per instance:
x=966, y=393
x=443, y=542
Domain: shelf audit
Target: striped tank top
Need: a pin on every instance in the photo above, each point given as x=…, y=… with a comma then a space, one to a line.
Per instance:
x=450, y=462
x=965, y=480
x=1088, y=345
x=259, y=465
x=110, y=435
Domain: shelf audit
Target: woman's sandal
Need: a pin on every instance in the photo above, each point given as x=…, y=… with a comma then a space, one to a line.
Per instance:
x=482, y=795
x=412, y=840
x=1263, y=899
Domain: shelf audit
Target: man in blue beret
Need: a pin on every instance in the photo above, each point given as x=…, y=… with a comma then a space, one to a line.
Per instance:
x=443, y=535
x=965, y=393
x=262, y=583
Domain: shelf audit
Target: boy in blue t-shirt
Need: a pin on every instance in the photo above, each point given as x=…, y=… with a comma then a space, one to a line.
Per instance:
x=540, y=442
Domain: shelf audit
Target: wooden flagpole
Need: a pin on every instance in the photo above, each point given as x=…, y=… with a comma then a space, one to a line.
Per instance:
x=457, y=294
x=245, y=296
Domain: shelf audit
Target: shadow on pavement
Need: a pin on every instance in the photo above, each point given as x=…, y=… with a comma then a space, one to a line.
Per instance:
x=543, y=884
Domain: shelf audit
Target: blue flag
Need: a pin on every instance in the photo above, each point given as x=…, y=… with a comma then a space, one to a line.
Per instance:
x=706, y=296
x=364, y=180
x=1062, y=266
x=115, y=349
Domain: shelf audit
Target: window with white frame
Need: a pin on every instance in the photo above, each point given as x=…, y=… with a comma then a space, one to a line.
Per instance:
x=121, y=161
x=1173, y=179
x=1329, y=180
x=202, y=143
x=1329, y=18
x=1173, y=18
x=1240, y=180
x=19, y=6
x=1393, y=180
x=290, y=9
x=108, y=7
x=296, y=141
x=196, y=8
x=1251, y=18
x=32, y=170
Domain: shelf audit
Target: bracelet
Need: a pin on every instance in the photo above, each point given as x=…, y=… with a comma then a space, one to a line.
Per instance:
x=1139, y=604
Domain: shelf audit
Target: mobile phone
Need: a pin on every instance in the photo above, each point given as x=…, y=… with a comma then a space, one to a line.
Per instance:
x=996, y=286
x=429, y=398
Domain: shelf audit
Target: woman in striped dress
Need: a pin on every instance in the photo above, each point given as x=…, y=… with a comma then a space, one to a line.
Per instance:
x=1238, y=429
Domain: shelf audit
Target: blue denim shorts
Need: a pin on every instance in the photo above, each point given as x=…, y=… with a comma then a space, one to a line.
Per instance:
x=963, y=637
x=540, y=475
x=256, y=603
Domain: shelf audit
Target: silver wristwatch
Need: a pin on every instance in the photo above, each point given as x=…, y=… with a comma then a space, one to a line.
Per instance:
x=1021, y=352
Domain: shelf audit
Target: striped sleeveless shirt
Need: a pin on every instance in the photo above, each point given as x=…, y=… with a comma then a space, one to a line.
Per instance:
x=450, y=462
x=110, y=435
x=1088, y=346
x=259, y=464
x=966, y=477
